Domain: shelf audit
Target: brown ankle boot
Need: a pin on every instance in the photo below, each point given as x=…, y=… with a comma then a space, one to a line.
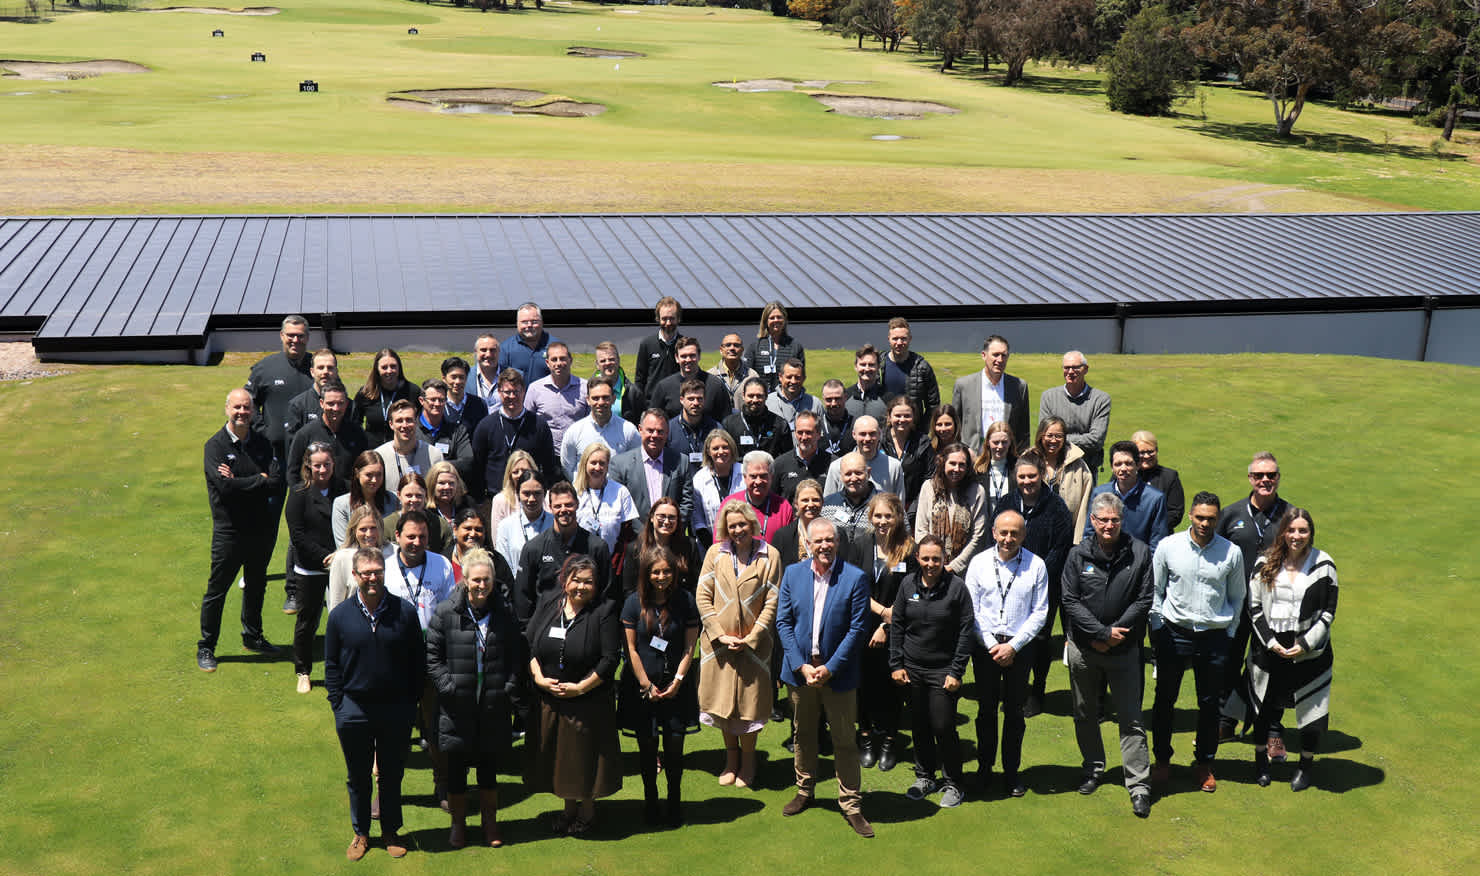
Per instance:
x=457, y=804
x=488, y=803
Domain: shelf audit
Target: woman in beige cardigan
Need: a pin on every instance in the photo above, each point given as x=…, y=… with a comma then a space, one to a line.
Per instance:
x=1065, y=471
x=737, y=607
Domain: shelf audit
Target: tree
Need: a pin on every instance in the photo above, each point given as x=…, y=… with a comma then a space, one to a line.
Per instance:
x=942, y=26
x=814, y=10
x=1286, y=48
x=875, y=18
x=1020, y=30
x=1429, y=49
x=1150, y=68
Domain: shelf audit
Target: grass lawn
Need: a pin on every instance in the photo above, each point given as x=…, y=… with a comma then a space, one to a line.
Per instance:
x=207, y=130
x=117, y=755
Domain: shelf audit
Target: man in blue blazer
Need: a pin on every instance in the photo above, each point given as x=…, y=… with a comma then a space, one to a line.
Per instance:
x=820, y=619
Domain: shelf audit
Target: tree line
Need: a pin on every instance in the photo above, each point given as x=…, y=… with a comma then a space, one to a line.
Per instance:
x=1425, y=51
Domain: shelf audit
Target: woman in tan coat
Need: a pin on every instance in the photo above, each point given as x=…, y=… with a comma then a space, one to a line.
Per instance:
x=737, y=607
x=1065, y=471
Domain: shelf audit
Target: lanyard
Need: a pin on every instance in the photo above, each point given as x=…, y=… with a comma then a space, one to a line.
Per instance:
x=386, y=400
x=406, y=576
x=565, y=626
x=1003, y=591
x=511, y=432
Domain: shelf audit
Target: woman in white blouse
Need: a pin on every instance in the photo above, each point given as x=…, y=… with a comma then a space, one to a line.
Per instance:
x=721, y=476
x=603, y=506
x=1292, y=603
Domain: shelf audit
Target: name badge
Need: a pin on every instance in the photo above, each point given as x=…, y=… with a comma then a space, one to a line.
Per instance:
x=768, y=369
x=442, y=446
x=557, y=632
x=899, y=567
x=659, y=644
x=746, y=440
x=696, y=458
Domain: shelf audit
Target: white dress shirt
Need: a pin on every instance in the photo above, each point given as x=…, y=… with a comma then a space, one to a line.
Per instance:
x=1008, y=599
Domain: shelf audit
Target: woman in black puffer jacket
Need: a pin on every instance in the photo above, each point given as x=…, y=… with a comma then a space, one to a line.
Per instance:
x=475, y=656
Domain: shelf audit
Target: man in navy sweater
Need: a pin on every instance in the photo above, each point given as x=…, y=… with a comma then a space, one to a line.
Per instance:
x=374, y=668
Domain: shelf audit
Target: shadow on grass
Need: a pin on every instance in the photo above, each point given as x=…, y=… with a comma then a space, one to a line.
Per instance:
x=970, y=69
x=1264, y=135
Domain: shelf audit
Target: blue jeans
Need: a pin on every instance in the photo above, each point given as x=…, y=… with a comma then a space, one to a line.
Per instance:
x=1206, y=653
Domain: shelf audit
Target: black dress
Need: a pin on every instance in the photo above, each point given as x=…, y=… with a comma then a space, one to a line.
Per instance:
x=639, y=716
x=573, y=749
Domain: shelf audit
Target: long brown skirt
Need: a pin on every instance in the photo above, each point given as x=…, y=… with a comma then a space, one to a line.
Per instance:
x=575, y=754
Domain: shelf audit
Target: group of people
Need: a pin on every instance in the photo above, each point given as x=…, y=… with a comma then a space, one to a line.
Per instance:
x=510, y=550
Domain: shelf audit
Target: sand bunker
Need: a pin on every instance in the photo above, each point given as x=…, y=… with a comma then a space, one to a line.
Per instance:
x=881, y=107
x=593, y=52
x=217, y=10
x=756, y=85
x=63, y=70
x=496, y=101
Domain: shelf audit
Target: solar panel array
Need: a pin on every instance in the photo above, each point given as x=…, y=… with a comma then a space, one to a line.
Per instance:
x=156, y=282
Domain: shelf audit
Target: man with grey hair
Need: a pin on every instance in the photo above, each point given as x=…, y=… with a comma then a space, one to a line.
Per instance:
x=1108, y=586
x=883, y=469
x=1084, y=410
x=525, y=349
x=821, y=612
x=770, y=508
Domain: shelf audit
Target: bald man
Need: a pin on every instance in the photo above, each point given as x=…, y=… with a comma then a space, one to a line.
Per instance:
x=243, y=483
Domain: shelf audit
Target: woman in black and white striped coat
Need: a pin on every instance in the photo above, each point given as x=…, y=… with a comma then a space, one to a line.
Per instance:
x=1292, y=603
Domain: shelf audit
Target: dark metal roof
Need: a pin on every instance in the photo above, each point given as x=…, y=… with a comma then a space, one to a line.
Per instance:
x=159, y=282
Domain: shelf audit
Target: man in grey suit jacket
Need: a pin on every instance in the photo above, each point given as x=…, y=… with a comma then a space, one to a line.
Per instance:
x=630, y=469
x=1008, y=391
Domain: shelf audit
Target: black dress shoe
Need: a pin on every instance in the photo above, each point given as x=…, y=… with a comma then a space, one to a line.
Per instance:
x=1303, y=775
x=260, y=645
x=868, y=752
x=205, y=659
x=1014, y=786
x=1090, y=783
x=887, y=758
x=1033, y=706
x=1141, y=805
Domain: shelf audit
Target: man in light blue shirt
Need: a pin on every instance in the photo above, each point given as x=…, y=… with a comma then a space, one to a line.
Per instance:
x=1200, y=586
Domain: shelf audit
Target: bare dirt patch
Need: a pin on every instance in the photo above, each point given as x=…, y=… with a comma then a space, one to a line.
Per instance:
x=881, y=107
x=593, y=52
x=496, y=101
x=63, y=70
x=758, y=85
x=218, y=10
x=18, y=362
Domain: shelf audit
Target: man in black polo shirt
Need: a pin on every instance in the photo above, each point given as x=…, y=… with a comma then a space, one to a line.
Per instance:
x=333, y=427
x=374, y=667
x=543, y=555
x=1251, y=525
x=244, y=484
x=806, y=460
x=667, y=393
x=304, y=407
x=754, y=426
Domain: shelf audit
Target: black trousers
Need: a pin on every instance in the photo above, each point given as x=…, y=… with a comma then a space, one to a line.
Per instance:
x=233, y=550
x=485, y=765
x=878, y=696
x=647, y=758
x=306, y=624
x=374, y=732
x=1004, y=687
x=933, y=721
x=1206, y=654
